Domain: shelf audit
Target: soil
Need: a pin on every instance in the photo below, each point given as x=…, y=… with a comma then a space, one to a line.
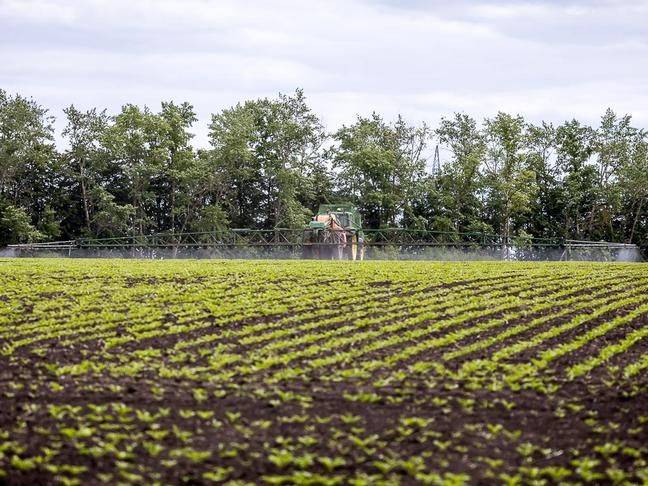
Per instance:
x=531, y=413
x=146, y=425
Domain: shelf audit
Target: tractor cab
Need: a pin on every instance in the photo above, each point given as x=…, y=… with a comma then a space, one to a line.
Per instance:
x=345, y=214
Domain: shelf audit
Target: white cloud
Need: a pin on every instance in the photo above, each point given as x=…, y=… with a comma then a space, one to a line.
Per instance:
x=551, y=60
x=37, y=11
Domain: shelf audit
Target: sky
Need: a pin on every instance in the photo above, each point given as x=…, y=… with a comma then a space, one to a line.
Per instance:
x=546, y=60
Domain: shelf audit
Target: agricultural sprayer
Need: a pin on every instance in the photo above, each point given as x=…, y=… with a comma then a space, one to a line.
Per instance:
x=335, y=232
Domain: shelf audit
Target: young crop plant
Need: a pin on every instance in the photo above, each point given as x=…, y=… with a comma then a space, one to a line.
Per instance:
x=309, y=372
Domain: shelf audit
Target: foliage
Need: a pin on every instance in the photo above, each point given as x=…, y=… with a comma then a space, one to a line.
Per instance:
x=270, y=163
x=379, y=166
x=15, y=226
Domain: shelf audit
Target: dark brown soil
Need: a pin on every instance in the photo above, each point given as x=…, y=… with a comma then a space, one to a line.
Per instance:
x=141, y=412
x=461, y=435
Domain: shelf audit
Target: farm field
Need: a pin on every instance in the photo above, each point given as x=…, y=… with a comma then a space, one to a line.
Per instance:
x=307, y=372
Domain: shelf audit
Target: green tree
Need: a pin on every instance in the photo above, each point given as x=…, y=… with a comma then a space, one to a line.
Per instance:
x=574, y=147
x=202, y=190
x=268, y=153
x=138, y=173
x=135, y=143
x=16, y=226
x=110, y=218
x=232, y=161
x=460, y=181
x=613, y=147
x=381, y=167
x=177, y=177
x=544, y=218
x=29, y=166
x=633, y=184
x=85, y=159
x=510, y=181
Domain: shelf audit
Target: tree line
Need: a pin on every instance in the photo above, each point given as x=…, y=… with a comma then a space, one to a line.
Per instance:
x=271, y=162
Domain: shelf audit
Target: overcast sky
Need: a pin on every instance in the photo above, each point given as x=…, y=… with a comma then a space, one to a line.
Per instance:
x=550, y=60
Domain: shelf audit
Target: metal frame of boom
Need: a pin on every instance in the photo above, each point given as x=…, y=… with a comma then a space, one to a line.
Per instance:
x=406, y=240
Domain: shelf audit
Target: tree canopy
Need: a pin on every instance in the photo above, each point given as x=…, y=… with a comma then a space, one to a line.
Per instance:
x=271, y=162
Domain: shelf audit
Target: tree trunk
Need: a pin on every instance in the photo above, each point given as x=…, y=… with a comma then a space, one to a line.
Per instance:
x=173, y=188
x=636, y=218
x=505, y=235
x=84, y=195
x=172, y=207
x=590, y=224
x=175, y=241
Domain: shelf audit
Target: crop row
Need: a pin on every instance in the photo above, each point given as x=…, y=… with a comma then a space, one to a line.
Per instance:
x=233, y=372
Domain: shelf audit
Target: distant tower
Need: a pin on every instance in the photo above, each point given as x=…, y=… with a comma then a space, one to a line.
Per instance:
x=436, y=162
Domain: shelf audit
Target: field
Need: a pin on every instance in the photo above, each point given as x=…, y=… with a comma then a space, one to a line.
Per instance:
x=322, y=372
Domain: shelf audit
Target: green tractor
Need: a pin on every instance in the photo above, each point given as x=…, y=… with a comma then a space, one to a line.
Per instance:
x=335, y=233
